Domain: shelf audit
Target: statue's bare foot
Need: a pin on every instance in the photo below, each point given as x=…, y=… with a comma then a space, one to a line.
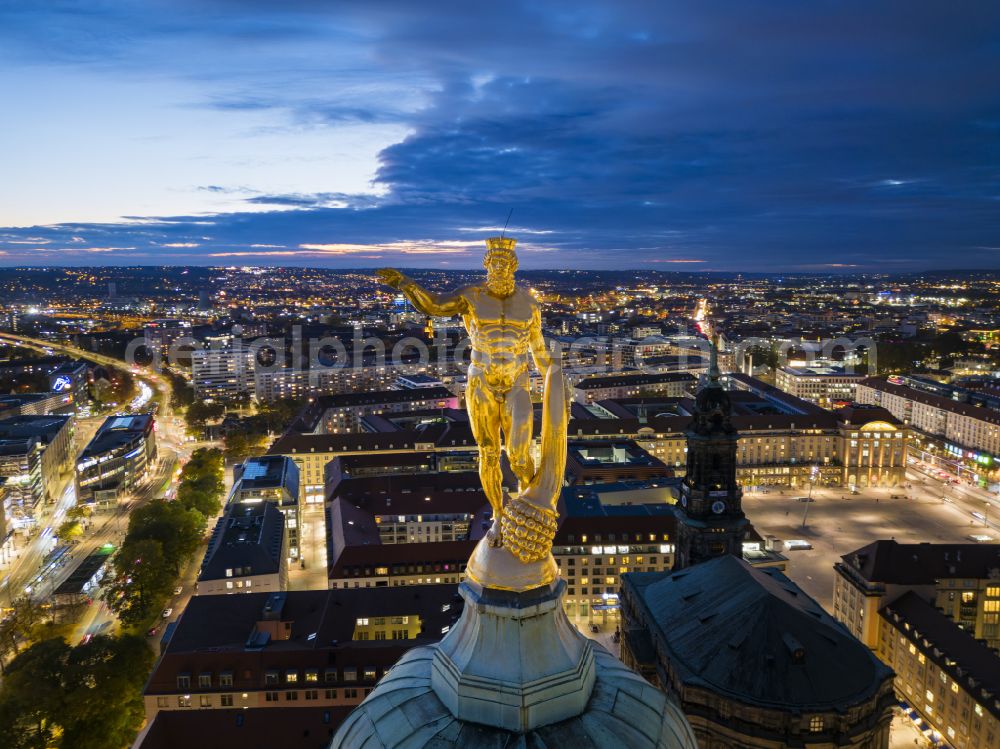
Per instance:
x=494, y=536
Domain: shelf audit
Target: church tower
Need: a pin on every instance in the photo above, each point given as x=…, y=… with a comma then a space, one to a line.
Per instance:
x=710, y=519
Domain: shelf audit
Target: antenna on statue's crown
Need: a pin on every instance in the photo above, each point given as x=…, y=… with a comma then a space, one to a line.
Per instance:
x=504, y=231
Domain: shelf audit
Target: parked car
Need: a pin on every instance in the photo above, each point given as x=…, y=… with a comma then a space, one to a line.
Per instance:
x=177, y=590
x=152, y=631
x=594, y=628
x=167, y=612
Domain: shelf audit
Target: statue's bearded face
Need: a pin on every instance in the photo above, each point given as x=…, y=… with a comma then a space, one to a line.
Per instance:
x=500, y=269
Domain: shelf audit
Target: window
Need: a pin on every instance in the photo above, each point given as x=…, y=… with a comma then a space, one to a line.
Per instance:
x=311, y=694
x=184, y=701
x=312, y=676
x=226, y=679
x=204, y=680
x=291, y=677
x=350, y=674
x=270, y=677
x=369, y=674
x=291, y=696
x=350, y=694
x=330, y=676
x=162, y=701
x=184, y=681
x=205, y=700
x=816, y=724
x=226, y=700
x=331, y=694
x=271, y=696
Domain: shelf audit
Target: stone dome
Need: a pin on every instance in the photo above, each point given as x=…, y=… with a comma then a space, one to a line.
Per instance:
x=404, y=712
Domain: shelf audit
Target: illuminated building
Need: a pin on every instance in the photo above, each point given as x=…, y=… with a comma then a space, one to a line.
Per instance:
x=322, y=648
x=162, y=334
x=272, y=479
x=949, y=680
x=223, y=370
x=672, y=384
x=34, y=453
x=117, y=459
x=822, y=385
x=960, y=580
x=968, y=433
x=247, y=553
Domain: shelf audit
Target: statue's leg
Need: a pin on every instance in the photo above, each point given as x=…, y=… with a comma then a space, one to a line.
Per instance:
x=484, y=418
x=517, y=428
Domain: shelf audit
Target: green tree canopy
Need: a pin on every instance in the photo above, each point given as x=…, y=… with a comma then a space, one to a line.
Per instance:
x=140, y=582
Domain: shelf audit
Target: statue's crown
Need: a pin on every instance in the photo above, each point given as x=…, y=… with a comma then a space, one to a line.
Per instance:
x=500, y=244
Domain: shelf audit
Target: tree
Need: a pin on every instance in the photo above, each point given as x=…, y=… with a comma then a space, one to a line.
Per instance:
x=240, y=445
x=79, y=512
x=199, y=413
x=141, y=580
x=19, y=626
x=69, y=531
x=178, y=528
x=33, y=695
x=104, y=706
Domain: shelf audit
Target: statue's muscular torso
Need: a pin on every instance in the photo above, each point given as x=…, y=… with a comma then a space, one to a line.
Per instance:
x=500, y=331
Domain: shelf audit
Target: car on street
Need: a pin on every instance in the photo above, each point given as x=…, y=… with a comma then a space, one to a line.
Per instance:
x=798, y=545
x=594, y=628
x=167, y=612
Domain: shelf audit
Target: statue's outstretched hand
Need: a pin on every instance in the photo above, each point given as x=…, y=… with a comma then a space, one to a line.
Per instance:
x=390, y=277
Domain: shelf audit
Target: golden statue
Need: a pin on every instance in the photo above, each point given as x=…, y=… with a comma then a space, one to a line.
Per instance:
x=505, y=328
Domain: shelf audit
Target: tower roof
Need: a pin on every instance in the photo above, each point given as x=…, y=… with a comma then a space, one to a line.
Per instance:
x=404, y=712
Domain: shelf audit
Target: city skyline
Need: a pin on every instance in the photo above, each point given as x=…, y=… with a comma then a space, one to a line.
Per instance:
x=722, y=137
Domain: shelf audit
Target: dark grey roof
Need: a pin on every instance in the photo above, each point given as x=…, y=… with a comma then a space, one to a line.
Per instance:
x=644, y=378
x=738, y=630
x=248, y=537
x=888, y=561
x=117, y=431
x=45, y=428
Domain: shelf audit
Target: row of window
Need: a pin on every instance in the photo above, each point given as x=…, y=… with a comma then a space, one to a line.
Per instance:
x=229, y=700
x=288, y=676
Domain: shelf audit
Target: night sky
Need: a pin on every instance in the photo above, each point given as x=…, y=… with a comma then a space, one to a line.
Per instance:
x=791, y=135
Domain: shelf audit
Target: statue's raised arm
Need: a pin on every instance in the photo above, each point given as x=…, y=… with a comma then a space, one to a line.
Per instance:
x=438, y=305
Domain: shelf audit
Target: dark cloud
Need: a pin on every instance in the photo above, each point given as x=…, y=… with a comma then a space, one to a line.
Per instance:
x=748, y=135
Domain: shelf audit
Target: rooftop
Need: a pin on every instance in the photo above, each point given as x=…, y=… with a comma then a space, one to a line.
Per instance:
x=254, y=728
x=642, y=378
x=754, y=635
x=320, y=618
x=44, y=428
x=956, y=652
x=923, y=564
x=929, y=399
x=248, y=537
x=117, y=431
x=267, y=472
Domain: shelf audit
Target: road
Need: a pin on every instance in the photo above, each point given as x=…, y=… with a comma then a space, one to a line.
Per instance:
x=24, y=564
x=173, y=449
